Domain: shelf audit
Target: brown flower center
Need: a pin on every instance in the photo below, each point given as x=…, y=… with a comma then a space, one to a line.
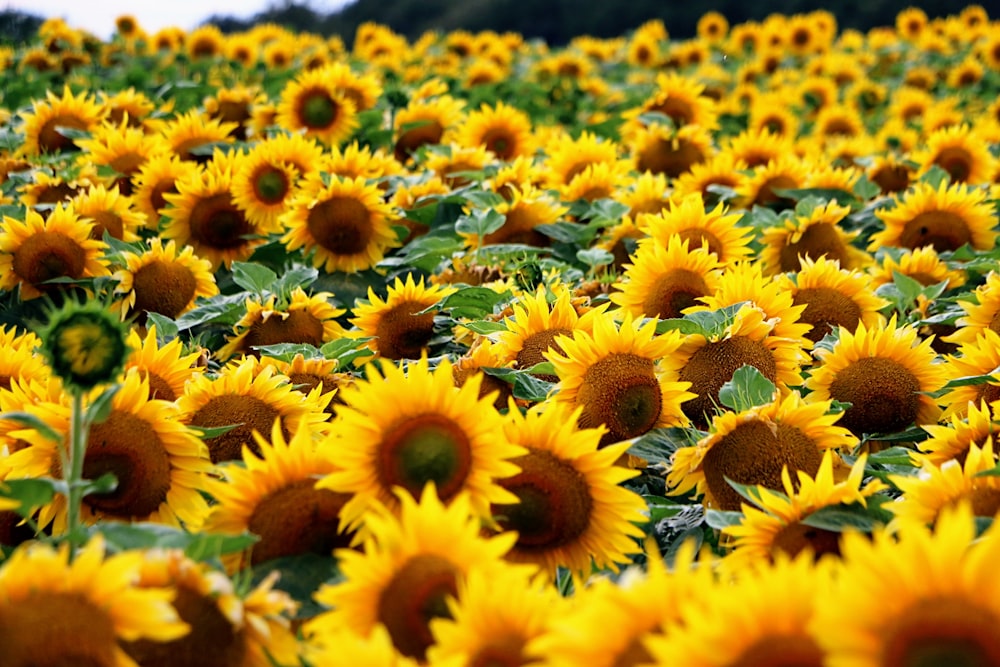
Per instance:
x=300, y=326
x=132, y=451
x=714, y=364
x=341, y=225
x=679, y=110
x=519, y=227
x=767, y=197
x=826, y=310
x=892, y=178
x=957, y=161
x=882, y=393
x=422, y=449
x=634, y=654
x=217, y=223
x=317, y=110
x=50, y=140
x=158, y=387
x=270, y=184
x=163, y=287
x=417, y=593
x=942, y=631
x=295, y=519
x=673, y=292
x=429, y=132
x=816, y=240
x=670, y=157
x=105, y=221
x=401, y=333
x=47, y=255
x=501, y=141
x=781, y=651
x=535, y=346
x=942, y=229
x=506, y=651
x=554, y=507
x=796, y=537
x=621, y=392
x=51, y=629
x=251, y=413
x=755, y=452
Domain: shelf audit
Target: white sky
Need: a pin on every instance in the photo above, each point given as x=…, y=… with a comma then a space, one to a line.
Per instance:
x=98, y=16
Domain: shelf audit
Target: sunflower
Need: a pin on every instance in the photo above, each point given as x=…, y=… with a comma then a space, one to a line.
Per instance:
x=758, y=189
x=110, y=211
x=982, y=311
x=493, y=617
x=566, y=157
x=814, y=236
x=190, y=136
x=570, y=510
x=538, y=320
x=974, y=358
x=891, y=173
x=659, y=150
x=155, y=179
x=344, y=648
x=47, y=187
x=975, y=426
x=123, y=148
x=163, y=280
x=961, y=152
x=722, y=170
x=884, y=373
x=344, y=223
x=424, y=121
x=777, y=526
x=166, y=369
x=615, y=376
x=504, y=130
x=938, y=598
x=834, y=297
x=312, y=104
x=53, y=611
x=301, y=152
x=399, y=327
x=458, y=165
x=663, y=281
x=357, y=161
x=647, y=194
x=409, y=568
x=756, y=148
x=305, y=319
x=441, y=434
x=688, y=219
x=263, y=186
x=42, y=123
x=36, y=250
x=527, y=208
x=306, y=375
x=922, y=264
x=205, y=42
x=249, y=397
x=234, y=105
x=765, y=616
x=678, y=97
x=946, y=217
x=596, y=181
x=838, y=120
x=202, y=214
x=19, y=361
x=227, y=630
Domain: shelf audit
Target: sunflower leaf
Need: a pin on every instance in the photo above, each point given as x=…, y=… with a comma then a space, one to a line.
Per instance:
x=480, y=222
x=300, y=577
x=346, y=350
x=747, y=389
x=28, y=420
x=838, y=518
x=209, y=432
x=166, y=328
x=295, y=276
x=30, y=493
x=595, y=257
x=288, y=351
x=128, y=536
x=100, y=408
x=484, y=327
x=254, y=277
x=470, y=302
x=749, y=492
x=720, y=519
x=659, y=444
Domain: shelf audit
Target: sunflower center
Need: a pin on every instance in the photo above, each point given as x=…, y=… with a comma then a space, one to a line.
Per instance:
x=767, y=197
x=106, y=221
x=251, y=413
x=47, y=255
x=714, y=364
x=942, y=631
x=317, y=109
x=429, y=132
x=130, y=449
x=50, y=140
x=501, y=652
x=422, y=449
x=755, y=452
x=826, y=310
x=417, y=593
x=217, y=223
x=892, y=178
x=679, y=110
x=816, y=240
x=300, y=326
x=956, y=161
x=519, y=227
x=51, y=629
x=296, y=519
x=401, y=333
x=535, y=346
x=697, y=236
x=796, y=537
x=156, y=195
x=882, y=393
x=212, y=640
x=942, y=229
x=158, y=387
x=985, y=501
x=669, y=157
x=163, y=287
x=621, y=392
x=781, y=651
x=634, y=654
x=501, y=142
x=270, y=184
x=554, y=505
x=673, y=292
x=342, y=225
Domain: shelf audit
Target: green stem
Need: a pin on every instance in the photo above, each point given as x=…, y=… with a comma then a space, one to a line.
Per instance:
x=73, y=474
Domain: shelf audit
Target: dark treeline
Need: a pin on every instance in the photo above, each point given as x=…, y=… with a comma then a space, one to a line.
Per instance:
x=555, y=21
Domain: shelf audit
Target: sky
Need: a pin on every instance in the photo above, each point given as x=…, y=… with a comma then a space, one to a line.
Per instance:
x=98, y=16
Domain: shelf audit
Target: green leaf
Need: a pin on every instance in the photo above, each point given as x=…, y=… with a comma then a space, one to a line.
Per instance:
x=28, y=420
x=685, y=326
x=100, y=408
x=31, y=493
x=712, y=323
x=346, y=350
x=166, y=328
x=296, y=276
x=524, y=385
x=747, y=389
x=935, y=176
x=300, y=576
x=221, y=309
x=128, y=536
x=659, y=444
x=470, y=302
x=894, y=456
x=480, y=222
x=837, y=518
x=288, y=351
x=210, y=546
x=819, y=196
x=568, y=232
x=209, y=432
x=720, y=519
x=595, y=257
x=908, y=287
x=254, y=277
x=749, y=492
x=660, y=508
x=106, y=483
x=484, y=327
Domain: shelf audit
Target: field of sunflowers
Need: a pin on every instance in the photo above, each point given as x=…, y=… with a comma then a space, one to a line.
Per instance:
x=477, y=351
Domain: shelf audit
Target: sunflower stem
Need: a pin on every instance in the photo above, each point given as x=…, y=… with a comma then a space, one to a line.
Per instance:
x=73, y=474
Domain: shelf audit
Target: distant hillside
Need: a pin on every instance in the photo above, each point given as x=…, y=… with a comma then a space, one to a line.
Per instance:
x=558, y=21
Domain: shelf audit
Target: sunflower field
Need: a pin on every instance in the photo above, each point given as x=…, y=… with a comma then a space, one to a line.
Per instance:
x=477, y=351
